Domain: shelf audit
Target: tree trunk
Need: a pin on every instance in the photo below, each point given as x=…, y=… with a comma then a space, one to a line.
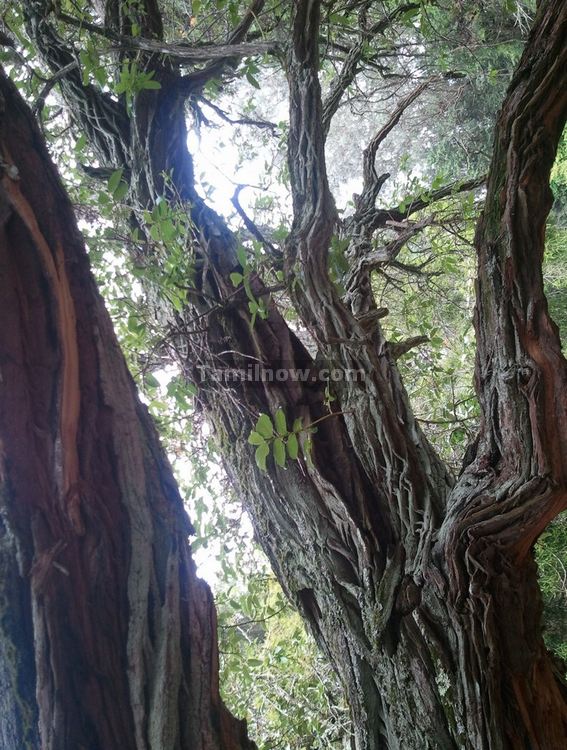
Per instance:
x=107, y=637
x=420, y=587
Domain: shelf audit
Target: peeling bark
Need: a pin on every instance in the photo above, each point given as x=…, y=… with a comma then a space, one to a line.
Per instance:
x=107, y=637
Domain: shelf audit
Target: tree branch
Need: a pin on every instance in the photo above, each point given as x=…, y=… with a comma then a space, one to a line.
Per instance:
x=372, y=182
x=40, y=101
x=183, y=53
x=350, y=66
x=240, y=120
x=343, y=339
x=369, y=157
x=194, y=82
x=250, y=225
x=103, y=119
x=399, y=348
x=382, y=216
x=313, y=206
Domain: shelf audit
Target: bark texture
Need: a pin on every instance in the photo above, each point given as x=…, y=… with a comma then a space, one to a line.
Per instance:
x=107, y=637
x=421, y=587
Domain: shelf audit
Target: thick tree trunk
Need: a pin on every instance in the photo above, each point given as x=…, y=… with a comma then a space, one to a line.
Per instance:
x=107, y=637
x=421, y=588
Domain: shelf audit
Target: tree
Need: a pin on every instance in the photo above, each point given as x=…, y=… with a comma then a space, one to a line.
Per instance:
x=419, y=586
x=107, y=637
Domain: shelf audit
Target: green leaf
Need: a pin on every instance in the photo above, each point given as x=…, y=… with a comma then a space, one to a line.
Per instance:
x=168, y=230
x=248, y=290
x=236, y=278
x=255, y=438
x=134, y=324
x=100, y=76
x=150, y=380
x=281, y=424
x=457, y=436
x=261, y=455
x=437, y=182
x=158, y=405
x=252, y=81
x=262, y=310
x=264, y=426
x=409, y=15
x=233, y=13
x=149, y=84
x=120, y=191
x=242, y=256
x=292, y=446
x=307, y=451
x=198, y=543
x=298, y=424
x=279, y=452
x=114, y=180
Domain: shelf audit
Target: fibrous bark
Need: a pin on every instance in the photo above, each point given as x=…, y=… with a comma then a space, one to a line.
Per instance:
x=107, y=637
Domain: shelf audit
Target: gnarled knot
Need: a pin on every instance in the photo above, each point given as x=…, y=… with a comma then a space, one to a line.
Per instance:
x=409, y=596
x=526, y=372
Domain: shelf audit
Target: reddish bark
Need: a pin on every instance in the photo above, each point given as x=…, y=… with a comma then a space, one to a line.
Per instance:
x=108, y=637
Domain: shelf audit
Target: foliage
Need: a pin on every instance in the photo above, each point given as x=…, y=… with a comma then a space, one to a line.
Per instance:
x=256, y=306
x=484, y=41
x=272, y=673
x=274, y=437
x=551, y=549
x=556, y=242
x=552, y=562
